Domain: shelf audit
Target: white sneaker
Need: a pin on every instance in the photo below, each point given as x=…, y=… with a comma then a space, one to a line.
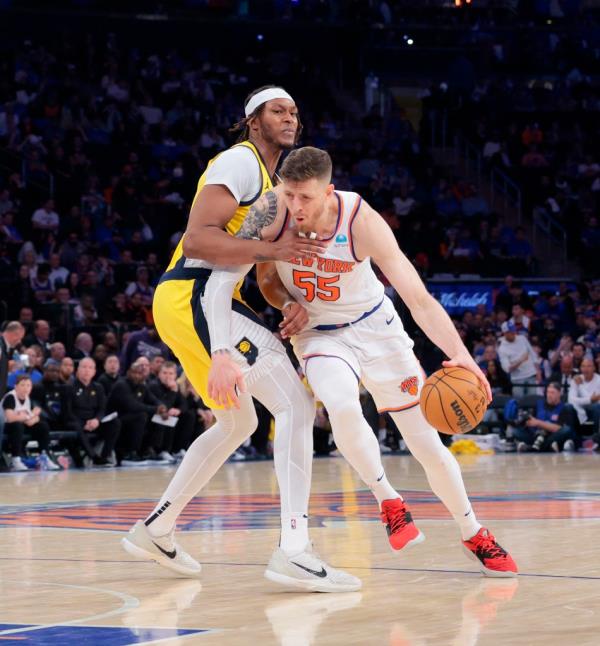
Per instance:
x=555, y=447
x=161, y=549
x=383, y=448
x=179, y=455
x=167, y=457
x=17, y=464
x=237, y=456
x=306, y=571
x=569, y=446
x=51, y=465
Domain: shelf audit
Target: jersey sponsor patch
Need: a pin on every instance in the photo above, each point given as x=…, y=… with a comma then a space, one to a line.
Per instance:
x=341, y=238
x=248, y=349
x=410, y=386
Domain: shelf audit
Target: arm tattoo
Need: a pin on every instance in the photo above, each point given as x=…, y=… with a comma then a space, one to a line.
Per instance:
x=262, y=213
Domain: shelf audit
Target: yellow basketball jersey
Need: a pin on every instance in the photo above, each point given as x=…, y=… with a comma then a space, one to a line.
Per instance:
x=234, y=225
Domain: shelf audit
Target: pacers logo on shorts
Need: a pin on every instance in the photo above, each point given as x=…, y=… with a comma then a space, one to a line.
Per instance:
x=248, y=349
x=410, y=386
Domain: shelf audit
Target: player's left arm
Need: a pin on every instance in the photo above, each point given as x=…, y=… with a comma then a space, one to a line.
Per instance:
x=373, y=237
x=295, y=316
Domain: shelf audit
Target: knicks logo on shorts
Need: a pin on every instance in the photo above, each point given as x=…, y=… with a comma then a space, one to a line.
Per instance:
x=248, y=349
x=410, y=386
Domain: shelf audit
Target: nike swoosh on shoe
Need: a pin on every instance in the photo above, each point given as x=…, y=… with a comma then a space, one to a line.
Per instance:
x=322, y=574
x=171, y=555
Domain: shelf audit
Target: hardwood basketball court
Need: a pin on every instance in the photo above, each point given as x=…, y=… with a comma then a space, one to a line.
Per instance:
x=65, y=579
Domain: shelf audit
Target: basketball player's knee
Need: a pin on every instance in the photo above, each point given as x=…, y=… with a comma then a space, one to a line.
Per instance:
x=345, y=414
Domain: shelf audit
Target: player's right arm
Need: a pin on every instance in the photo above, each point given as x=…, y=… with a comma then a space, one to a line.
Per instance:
x=205, y=236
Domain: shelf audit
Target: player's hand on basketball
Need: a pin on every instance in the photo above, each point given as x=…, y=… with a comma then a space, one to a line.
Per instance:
x=225, y=379
x=465, y=360
x=295, y=319
x=291, y=246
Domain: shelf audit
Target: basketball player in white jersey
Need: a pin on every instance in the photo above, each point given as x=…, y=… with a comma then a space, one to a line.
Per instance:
x=191, y=315
x=354, y=334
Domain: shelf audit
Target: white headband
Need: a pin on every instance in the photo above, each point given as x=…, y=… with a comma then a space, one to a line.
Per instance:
x=266, y=95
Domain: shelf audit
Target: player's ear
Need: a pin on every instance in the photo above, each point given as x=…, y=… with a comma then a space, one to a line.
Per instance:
x=330, y=189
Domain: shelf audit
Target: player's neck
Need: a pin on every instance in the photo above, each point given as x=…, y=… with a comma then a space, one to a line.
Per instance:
x=269, y=153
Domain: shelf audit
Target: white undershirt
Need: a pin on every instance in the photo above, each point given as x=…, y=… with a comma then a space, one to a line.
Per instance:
x=238, y=169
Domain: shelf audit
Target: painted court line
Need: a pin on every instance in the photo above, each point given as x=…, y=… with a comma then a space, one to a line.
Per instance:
x=129, y=602
x=349, y=567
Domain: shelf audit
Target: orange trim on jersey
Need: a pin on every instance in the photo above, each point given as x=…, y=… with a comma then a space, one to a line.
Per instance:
x=355, y=210
x=395, y=410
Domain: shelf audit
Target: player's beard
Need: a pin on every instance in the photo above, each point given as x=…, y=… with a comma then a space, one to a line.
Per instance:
x=270, y=137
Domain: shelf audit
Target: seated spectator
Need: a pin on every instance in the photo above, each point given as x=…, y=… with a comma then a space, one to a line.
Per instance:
x=552, y=427
x=142, y=287
x=66, y=371
x=517, y=359
x=564, y=376
x=83, y=346
x=52, y=397
x=57, y=354
x=145, y=343
x=46, y=218
x=112, y=369
x=40, y=284
x=87, y=407
x=155, y=365
x=85, y=313
x=58, y=274
x=204, y=416
x=499, y=380
x=584, y=394
x=578, y=354
x=163, y=440
x=26, y=364
x=40, y=336
x=134, y=404
x=23, y=417
x=519, y=319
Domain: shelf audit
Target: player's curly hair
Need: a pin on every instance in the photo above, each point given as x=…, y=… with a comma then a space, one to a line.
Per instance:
x=242, y=126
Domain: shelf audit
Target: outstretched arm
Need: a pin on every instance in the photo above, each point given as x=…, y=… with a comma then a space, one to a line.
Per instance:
x=374, y=238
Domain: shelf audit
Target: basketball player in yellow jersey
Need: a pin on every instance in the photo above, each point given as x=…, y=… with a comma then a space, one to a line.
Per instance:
x=229, y=355
x=354, y=333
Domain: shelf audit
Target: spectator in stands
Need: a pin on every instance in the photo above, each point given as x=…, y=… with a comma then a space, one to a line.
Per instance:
x=204, y=416
x=40, y=336
x=564, y=376
x=23, y=417
x=46, y=218
x=499, y=381
x=134, y=404
x=578, y=355
x=142, y=287
x=519, y=319
x=112, y=369
x=145, y=343
x=83, y=346
x=155, y=365
x=10, y=339
x=517, y=359
x=552, y=427
x=87, y=407
x=165, y=441
x=26, y=364
x=53, y=399
x=58, y=274
x=66, y=371
x=584, y=394
x=57, y=354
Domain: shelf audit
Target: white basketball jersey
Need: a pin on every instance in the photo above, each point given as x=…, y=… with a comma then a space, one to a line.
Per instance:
x=335, y=287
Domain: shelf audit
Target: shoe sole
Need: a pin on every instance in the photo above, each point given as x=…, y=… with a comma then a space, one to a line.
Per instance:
x=145, y=555
x=310, y=585
x=413, y=541
x=494, y=574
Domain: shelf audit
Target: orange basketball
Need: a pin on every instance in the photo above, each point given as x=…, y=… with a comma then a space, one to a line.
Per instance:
x=453, y=401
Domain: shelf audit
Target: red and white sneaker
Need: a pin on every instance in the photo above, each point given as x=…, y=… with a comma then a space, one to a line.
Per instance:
x=399, y=524
x=493, y=559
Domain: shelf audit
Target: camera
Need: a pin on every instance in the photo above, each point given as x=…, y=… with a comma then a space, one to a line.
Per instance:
x=522, y=418
x=24, y=359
